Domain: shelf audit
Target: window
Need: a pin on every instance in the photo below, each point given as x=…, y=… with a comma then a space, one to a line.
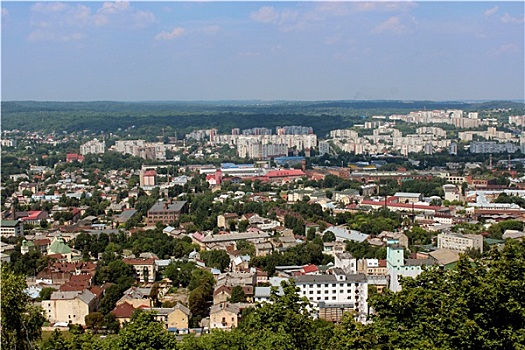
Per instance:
x=311, y=292
x=334, y=298
x=318, y=292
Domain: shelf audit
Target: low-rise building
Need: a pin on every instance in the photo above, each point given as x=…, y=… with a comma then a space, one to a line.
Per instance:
x=11, y=228
x=166, y=212
x=460, y=242
x=144, y=269
x=69, y=307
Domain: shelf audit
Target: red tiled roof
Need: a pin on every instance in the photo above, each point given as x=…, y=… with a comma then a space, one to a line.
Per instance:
x=310, y=268
x=124, y=310
x=139, y=261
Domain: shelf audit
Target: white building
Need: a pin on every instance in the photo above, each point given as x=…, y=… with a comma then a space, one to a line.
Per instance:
x=459, y=242
x=94, y=146
x=337, y=288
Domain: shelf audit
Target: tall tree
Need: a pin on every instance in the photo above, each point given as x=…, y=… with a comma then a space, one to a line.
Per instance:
x=21, y=321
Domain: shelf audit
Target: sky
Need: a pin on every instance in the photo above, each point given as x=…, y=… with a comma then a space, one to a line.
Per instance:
x=197, y=51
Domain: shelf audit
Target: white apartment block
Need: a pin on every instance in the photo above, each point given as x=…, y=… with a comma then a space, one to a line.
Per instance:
x=459, y=242
x=337, y=288
x=94, y=146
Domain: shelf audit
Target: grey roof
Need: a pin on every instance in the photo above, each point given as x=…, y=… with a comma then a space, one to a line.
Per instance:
x=174, y=206
x=265, y=292
x=309, y=279
x=86, y=296
x=346, y=234
x=419, y=262
x=125, y=215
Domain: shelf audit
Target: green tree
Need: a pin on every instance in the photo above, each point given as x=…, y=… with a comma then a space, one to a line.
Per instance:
x=145, y=333
x=328, y=236
x=94, y=321
x=476, y=305
x=218, y=259
x=238, y=295
x=21, y=321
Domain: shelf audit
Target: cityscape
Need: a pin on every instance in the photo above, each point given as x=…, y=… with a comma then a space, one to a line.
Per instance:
x=225, y=209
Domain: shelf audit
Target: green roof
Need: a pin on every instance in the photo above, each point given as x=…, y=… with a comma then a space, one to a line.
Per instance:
x=9, y=223
x=59, y=247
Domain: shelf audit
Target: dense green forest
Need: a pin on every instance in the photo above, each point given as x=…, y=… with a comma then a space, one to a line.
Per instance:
x=106, y=116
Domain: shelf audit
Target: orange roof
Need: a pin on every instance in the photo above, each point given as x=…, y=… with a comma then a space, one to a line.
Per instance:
x=124, y=310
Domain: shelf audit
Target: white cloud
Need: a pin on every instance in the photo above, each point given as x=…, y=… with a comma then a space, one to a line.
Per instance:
x=507, y=18
x=491, y=11
x=47, y=7
x=63, y=20
x=175, y=33
x=265, y=14
x=393, y=24
x=5, y=12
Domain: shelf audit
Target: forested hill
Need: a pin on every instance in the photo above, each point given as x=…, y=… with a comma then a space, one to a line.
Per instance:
x=109, y=116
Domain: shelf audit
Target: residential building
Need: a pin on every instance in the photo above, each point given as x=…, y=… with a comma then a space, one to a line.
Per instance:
x=69, y=307
x=460, y=242
x=94, y=146
x=11, y=228
x=398, y=266
x=144, y=268
x=166, y=212
x=349, y=291
x=224, y=220
x=226, y=315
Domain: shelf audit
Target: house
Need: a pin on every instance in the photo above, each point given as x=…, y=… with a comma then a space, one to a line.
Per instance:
x=144, y=268
x=166, y=212
x=136, y=297
x=224, y=220
x=179, y=317
x=226, y=315
x=126, y=214
x=123, y=312
x=346, y=262
x=372, y=267
x=223, y=293
x=342, y=233
x=399, y=236
x=263, y=248
x=69, y=307
x=11, y=228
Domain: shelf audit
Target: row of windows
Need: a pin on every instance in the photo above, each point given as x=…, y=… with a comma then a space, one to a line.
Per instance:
x=341, y=291
x=328, y=285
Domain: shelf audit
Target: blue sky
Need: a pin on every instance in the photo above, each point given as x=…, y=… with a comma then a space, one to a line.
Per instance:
x=136, y=51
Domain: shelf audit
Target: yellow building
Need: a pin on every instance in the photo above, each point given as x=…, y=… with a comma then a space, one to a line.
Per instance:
x=69, y=307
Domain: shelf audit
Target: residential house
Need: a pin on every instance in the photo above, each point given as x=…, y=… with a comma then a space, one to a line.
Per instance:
x=136, y=297
x=58, y=246
x=69, y=307
x=144, y=268
x=226, y=315
x=123, y=312
x=460, y=242
x=224, y=220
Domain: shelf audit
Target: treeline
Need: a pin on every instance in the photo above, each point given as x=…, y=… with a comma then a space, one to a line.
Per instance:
x=110, y=116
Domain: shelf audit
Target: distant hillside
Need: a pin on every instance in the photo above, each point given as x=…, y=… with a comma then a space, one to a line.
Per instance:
x=109, y=116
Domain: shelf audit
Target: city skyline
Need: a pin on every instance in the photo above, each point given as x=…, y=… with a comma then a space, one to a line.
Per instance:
x=194, y=51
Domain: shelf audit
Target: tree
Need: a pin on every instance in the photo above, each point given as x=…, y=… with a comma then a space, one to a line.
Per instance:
x=328, y=236
x=94, y=321
x=238, y=295
x=476, y=305
x=145, y=333
x=216, y=258
x=21, y=321
x=45, y=293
